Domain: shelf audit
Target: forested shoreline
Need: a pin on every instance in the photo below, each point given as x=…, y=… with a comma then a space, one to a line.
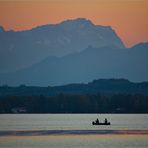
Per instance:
x=71, y=103
x=98, y=96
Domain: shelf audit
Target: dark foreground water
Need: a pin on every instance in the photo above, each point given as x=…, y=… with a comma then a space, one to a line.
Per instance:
x=73, y=130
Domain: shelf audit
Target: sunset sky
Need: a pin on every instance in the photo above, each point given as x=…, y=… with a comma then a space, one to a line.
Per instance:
x=129, y=18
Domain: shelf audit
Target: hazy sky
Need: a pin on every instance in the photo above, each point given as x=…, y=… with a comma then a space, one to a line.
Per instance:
x=129, y=18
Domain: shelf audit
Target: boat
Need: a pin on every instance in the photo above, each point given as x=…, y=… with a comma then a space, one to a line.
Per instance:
x=100, y=123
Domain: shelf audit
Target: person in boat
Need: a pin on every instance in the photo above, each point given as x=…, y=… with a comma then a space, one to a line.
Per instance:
x=105, y=121
x=97, y=121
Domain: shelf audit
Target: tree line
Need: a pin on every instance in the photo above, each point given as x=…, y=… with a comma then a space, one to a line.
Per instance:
x=75, y=103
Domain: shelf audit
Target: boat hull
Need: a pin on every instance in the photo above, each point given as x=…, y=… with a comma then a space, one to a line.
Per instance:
x=108, y=123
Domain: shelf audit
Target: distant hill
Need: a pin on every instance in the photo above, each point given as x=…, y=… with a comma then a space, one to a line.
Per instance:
x=20, y=49
x=100, y=86
x=82, y=67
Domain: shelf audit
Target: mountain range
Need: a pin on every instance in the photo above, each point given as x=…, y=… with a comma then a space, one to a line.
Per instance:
x=21, y=49
x=91, y=63
x=77, y=51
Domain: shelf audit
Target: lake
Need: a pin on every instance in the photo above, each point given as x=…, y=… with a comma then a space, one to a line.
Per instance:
x=73, y=130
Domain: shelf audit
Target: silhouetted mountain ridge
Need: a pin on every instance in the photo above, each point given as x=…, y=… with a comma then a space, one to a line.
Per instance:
x=102, y=86
x=24, y=48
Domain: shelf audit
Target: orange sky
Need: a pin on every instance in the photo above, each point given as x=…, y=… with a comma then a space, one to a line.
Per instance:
x=129, y=18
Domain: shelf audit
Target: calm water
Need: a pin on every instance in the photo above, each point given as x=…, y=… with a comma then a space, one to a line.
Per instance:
x=72, y=122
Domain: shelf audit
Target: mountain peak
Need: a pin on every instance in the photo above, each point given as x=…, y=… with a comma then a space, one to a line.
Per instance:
x=78, y=21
